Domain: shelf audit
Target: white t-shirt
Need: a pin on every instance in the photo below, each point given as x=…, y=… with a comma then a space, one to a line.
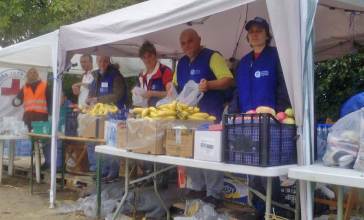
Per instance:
x=149, y=76
x=84, y=90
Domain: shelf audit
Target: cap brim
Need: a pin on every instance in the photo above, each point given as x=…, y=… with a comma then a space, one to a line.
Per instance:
x=252, y=23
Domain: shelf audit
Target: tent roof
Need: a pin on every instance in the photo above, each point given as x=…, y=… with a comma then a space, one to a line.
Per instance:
x=218, y=22
x=121, y=32
x=339, y=28
x=34, y=52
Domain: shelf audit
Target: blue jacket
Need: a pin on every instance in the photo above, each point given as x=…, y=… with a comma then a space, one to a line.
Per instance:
x=213, y=100
x=260, y=82
x=353, y=104
x=109, y=83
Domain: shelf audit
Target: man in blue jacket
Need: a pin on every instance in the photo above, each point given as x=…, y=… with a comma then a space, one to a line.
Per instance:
x=208, y=68
x=108, y=87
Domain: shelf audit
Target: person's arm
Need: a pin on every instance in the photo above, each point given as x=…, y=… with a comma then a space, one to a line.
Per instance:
x=282, y=98
x=224, y=77
x=234, y=106
x=18, y=99
x=118, y=91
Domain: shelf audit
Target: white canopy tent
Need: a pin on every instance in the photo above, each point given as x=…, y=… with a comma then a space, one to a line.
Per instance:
x=41, y=51
x=220, y=24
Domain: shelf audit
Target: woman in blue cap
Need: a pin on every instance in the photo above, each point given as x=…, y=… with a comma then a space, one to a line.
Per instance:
x=259, y=76
x=260, y=82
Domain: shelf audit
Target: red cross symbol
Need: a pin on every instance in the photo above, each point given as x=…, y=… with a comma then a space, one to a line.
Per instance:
x=13, y=90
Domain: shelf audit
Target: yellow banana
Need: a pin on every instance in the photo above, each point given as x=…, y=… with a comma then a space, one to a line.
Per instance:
x=196, y=109
x=145, y=112
x=170, y=118
x=200, y=115
x=154, y=115
x=211, y=118
x=165, y=113
x=137, y=110
x=194, y=118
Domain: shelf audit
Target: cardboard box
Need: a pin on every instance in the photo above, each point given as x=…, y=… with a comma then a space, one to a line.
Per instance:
x=91, y=126
x=147, y=136
x=122, y=135
x=179, y=142
x=208, y=146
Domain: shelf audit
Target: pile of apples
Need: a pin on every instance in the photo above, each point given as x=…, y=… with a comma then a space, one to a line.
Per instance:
x=286, y=117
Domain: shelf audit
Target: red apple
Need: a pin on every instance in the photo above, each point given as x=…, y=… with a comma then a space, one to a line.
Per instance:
x=281, y=116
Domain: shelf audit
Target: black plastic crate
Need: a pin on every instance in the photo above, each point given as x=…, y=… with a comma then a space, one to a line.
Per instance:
x=288, y=195
x=71, y=123
x=258, y=140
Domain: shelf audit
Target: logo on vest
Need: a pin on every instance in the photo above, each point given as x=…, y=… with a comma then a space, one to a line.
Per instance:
x=10, y=81
x=263, y=73
x=194, y=72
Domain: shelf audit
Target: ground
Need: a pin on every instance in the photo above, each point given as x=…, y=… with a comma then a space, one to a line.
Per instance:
x=16, y=202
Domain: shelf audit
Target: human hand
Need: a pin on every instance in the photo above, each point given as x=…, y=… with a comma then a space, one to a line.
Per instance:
x=147, y=94
x=91, y=100
x=203, y=86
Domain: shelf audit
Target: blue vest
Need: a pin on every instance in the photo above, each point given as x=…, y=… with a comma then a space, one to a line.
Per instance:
x=105, y=86
x=213, y=100
x=257, y=80
x=353, y=104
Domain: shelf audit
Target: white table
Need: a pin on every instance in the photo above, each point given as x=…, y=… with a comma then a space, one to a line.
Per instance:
x=330, y=175
x=12, y=139
x=268, y=172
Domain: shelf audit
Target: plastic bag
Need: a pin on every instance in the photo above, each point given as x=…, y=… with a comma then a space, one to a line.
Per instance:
x=343, y=141
x=190, y=94
x=137, y=97
x=169, y=98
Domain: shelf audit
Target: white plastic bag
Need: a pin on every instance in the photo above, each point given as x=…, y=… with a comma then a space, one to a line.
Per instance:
x=137, y=97
x=190, y=94
x=343, y=141
x=169, y=98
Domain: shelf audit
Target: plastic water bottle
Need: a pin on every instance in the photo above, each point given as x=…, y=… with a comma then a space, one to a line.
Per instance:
x=322, y=133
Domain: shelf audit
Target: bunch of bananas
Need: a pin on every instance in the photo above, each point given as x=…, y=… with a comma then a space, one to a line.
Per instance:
x=173, y=110
x=100, y=109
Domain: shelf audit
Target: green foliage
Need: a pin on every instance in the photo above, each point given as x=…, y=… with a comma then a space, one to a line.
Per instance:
x=336, y=81
x=25, y=19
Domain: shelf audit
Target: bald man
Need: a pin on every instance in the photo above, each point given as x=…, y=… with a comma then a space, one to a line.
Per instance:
x=208, y=68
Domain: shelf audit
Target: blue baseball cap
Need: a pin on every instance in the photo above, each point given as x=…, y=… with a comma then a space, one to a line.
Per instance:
x=259, y=22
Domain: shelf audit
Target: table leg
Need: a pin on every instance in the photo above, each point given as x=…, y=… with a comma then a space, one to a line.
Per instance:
x=1, y=159
x=156, y=191
x=63, y=166
x=31, y=167
x=126, y=191
x=268, y=199
x=98, y=185
x=11, y=158
x=340, y=201
x=297, y=203
x=37, y=161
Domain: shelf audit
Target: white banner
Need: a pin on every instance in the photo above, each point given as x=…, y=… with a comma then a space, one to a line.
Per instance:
x=11, y=81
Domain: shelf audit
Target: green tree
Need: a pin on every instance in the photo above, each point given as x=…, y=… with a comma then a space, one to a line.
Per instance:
x=335, y=82
x=25, y=19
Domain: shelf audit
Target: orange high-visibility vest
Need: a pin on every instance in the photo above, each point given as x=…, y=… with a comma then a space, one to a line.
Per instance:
x=35, y=101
